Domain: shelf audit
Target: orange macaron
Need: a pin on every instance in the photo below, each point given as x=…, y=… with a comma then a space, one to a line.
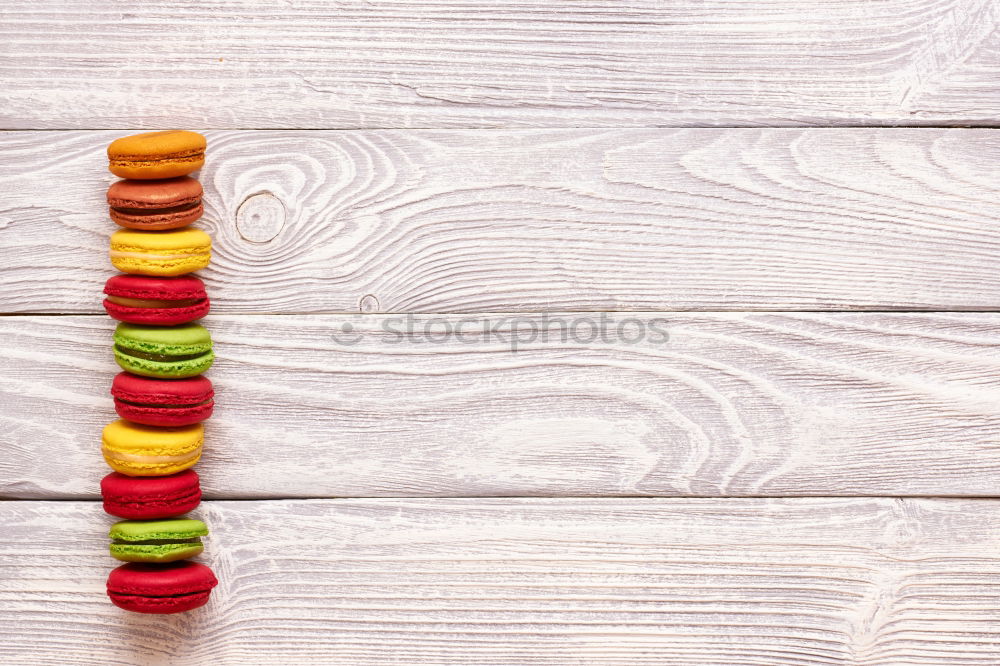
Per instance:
x=153, y=155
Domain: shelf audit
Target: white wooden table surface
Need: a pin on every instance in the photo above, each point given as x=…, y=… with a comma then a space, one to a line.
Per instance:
x=802, y=195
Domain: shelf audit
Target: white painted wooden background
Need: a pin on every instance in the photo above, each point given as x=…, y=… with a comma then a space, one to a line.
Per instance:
x=804, y=472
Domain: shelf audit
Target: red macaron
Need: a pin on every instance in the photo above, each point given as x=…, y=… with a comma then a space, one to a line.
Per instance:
x=156, y=301
x=173, y=587
x=162, y=402
x=150, y=497
x=155, y=205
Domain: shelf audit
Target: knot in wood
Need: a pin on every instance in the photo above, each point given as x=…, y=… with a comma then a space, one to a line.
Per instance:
x=368, y=303
x=260, y=217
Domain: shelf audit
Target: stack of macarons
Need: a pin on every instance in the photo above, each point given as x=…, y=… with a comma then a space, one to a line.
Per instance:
x=160, y=396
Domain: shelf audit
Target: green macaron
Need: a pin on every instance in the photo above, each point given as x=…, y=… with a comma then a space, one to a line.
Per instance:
x=163, y=351
x=156, y=540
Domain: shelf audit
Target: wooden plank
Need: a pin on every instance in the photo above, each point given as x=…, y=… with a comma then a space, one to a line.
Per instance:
x=472, y=221
x=516, y=581
x=730, y=404
x=410, y=63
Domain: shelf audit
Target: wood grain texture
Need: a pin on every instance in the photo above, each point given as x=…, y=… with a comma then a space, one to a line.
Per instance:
x=731, y=404
x=478, y=221
x=515, y=581
x=530, y=63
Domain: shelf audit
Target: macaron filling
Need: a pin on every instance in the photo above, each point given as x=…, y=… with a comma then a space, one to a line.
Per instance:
x=157, y=210
x=168, y=406
x=159, y=358
x=121, y=254
x=154, y=302
x=156, y=542
x=148, y=160
x=150, y=459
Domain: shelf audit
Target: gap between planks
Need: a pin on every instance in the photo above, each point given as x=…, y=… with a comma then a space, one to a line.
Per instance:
x=394, y=128
x=582, y=496
x=533, y=313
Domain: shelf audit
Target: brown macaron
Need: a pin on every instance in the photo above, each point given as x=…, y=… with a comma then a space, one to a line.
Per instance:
x=155, y=205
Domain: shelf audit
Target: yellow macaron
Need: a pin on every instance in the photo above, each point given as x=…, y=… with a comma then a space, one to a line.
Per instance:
x=140, y=450
x=173, y=252
x=157, y=154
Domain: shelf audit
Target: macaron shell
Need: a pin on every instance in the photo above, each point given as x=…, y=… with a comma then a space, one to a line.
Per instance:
x=176, y=265
x=160, y=242
x=159, y=605
x=164, y=416
x=161, y=588
x=157, y=316
x=163, y=168
x=147, y=498
x=169, y=166
x=154, y=194
x=161, y=581
x=146, y=530
x=161, y=391
x=180, y=339
x=183, y=287
x=166, y=253
x=150, y=467
x=151, y=510
x=156, y=155
x=158, y=221
x=164, y=369
x=139, y=450
x=166, y=552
